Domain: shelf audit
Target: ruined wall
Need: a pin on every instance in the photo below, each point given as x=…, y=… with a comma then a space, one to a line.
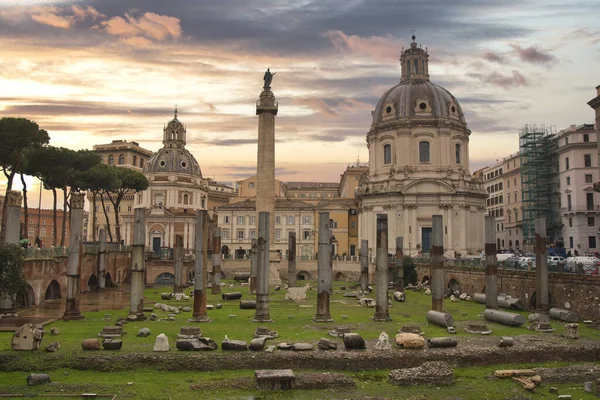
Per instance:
x=579, y=293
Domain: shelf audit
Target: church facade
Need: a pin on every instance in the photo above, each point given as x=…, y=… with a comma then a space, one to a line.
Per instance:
x=419, y=166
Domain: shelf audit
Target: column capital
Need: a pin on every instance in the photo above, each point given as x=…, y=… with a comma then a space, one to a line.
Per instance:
x=77, y=200
x=14, y=198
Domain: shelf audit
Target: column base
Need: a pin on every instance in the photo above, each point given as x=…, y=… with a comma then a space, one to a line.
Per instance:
x=136, y=317
x=72, y=316
x=381, y=318
x=200, y=318
x=266, y=319
x=322, y=318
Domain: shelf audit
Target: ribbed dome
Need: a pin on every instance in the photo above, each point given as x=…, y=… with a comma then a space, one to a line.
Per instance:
x=417, y=98
x=171, y=160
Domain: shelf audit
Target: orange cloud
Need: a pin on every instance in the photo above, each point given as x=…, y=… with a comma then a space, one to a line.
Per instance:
x=81, y=13
x=377, y=47
x=149, y=26
x=51, y=19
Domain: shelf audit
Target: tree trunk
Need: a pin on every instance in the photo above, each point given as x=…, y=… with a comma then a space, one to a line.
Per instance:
x=94, y=216
x=116, y=203
x=54, y=207
x=9, y=181
x=25, y=232
x=64, y=223
x=106, y=216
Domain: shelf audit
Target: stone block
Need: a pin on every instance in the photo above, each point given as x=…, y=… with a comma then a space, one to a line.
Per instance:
x=27, y=337
x=274, y=379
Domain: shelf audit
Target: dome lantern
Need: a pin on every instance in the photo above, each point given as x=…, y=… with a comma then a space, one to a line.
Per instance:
x=174, y=133
x=414, y=62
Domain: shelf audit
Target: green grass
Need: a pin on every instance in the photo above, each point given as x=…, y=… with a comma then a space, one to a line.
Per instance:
x=471, y=382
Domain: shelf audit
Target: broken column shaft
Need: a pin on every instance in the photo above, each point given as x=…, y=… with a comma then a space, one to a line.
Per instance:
x=491, y=269
x=136, y=308
x=178, y=253
x=324, y=288
x=364, y=265
x=73, y=259
x=292, y=259
x=381, y=297
x=199, y=313
x=399, y=276
x=102, y=259
x=253, y=266
x=437, y=263
x=542, y=303
x=216, y=259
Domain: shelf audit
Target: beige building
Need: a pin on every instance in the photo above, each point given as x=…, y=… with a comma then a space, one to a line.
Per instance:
x=419, y=166
x=120, y=153
x=247, y=189
x=312, y=192
x=513, y=203
x=350, y=180
x=176, y=191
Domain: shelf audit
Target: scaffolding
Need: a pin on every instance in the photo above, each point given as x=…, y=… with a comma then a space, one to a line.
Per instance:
x=540, y=182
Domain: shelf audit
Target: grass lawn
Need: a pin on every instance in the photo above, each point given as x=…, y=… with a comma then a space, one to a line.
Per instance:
x=294, y=323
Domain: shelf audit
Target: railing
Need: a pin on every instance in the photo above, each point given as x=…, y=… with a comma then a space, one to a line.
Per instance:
x=576, y=209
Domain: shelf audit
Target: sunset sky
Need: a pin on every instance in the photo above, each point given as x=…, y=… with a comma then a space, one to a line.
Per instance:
x=97, y=70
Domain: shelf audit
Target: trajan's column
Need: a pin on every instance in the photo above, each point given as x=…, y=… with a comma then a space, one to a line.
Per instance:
x=266, y=109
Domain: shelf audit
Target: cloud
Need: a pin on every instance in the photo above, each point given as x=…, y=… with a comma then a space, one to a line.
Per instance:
x=592, y=37
x=376, y=47
x=82, y=13
x=315, y=104
x=534, y=55
x=503, y=81
x=149, y=26
x=49, y=18
x=493, y=57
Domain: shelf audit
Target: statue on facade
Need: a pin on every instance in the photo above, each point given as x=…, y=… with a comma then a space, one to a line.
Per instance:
x=268, y=78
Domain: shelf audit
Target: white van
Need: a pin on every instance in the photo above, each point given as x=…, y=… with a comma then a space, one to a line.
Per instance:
x=504, y=256
x=589, y=265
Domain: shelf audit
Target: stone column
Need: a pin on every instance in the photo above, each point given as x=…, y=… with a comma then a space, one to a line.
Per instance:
x=381, y=297
x=266, y=109
x=324, y=270
x=253, y=266
x=13, y=217
x=199, y=314
x=138, y=266
x=262, y=281
x=292, y=259
x=73, y=260
x=216, y=259
x=542, y=302
x=364, y=265
x=437, y=263
x=491, y=269
x=102, y=259
x=178, y=255
x=8, y=304
x=399, y=281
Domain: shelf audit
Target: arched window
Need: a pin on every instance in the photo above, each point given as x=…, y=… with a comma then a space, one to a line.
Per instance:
x=134, y=160
x=141, y=163
x=457, y=151
x=185, y=198
x=424, y=153
x=517, y=244
x=407, y=69
x=387, y=154
x=416, y=65
x=111, y=160
x=121, y=159
x=158, y=199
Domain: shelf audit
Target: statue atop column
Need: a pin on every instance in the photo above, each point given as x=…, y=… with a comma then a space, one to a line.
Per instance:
x=268, y=78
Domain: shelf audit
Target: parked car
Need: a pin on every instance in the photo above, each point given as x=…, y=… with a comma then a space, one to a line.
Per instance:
x=556, y=261
x=525, y=261
x=583, y=264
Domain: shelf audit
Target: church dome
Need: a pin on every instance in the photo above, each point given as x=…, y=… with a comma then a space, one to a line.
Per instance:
x=173, y=157
x=415, y=96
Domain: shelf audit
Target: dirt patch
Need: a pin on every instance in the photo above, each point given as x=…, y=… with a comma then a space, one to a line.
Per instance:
x=323, y=380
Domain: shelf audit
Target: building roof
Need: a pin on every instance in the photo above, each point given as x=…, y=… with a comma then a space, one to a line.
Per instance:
x=280, y=204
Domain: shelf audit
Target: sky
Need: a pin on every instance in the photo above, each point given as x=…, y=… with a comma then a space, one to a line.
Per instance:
x=93, y=71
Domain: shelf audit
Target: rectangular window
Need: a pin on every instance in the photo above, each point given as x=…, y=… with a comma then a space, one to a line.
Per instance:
x=569, y=204
x=42, y=232
x=30, y=231
x=571, y=242
x=353, y=224
x=592, y=242
x=277, y=234
x=240, y=220
x=586, y=137
x=253, y=220
x=387, y=154
x=278, y=219
x=290, y=220
x=306, y=234
x=587, y=160
x=251, y=185
x=252, y=233
x=457, y=152
x=570, y=222
x=588, y=178
x=129, y=208
x=568, y=180
x=225, y=233
x=589, y=197
x=226, y=219
x=52, y=233
x=566, y=143
x=508, y=184
x=591, y=221
x=333, y=224
x=566, y=162
x=515, y=197
x=240, y=234
x=306, y=220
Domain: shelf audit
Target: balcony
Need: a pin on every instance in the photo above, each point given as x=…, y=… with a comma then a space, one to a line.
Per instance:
x=581, y=209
